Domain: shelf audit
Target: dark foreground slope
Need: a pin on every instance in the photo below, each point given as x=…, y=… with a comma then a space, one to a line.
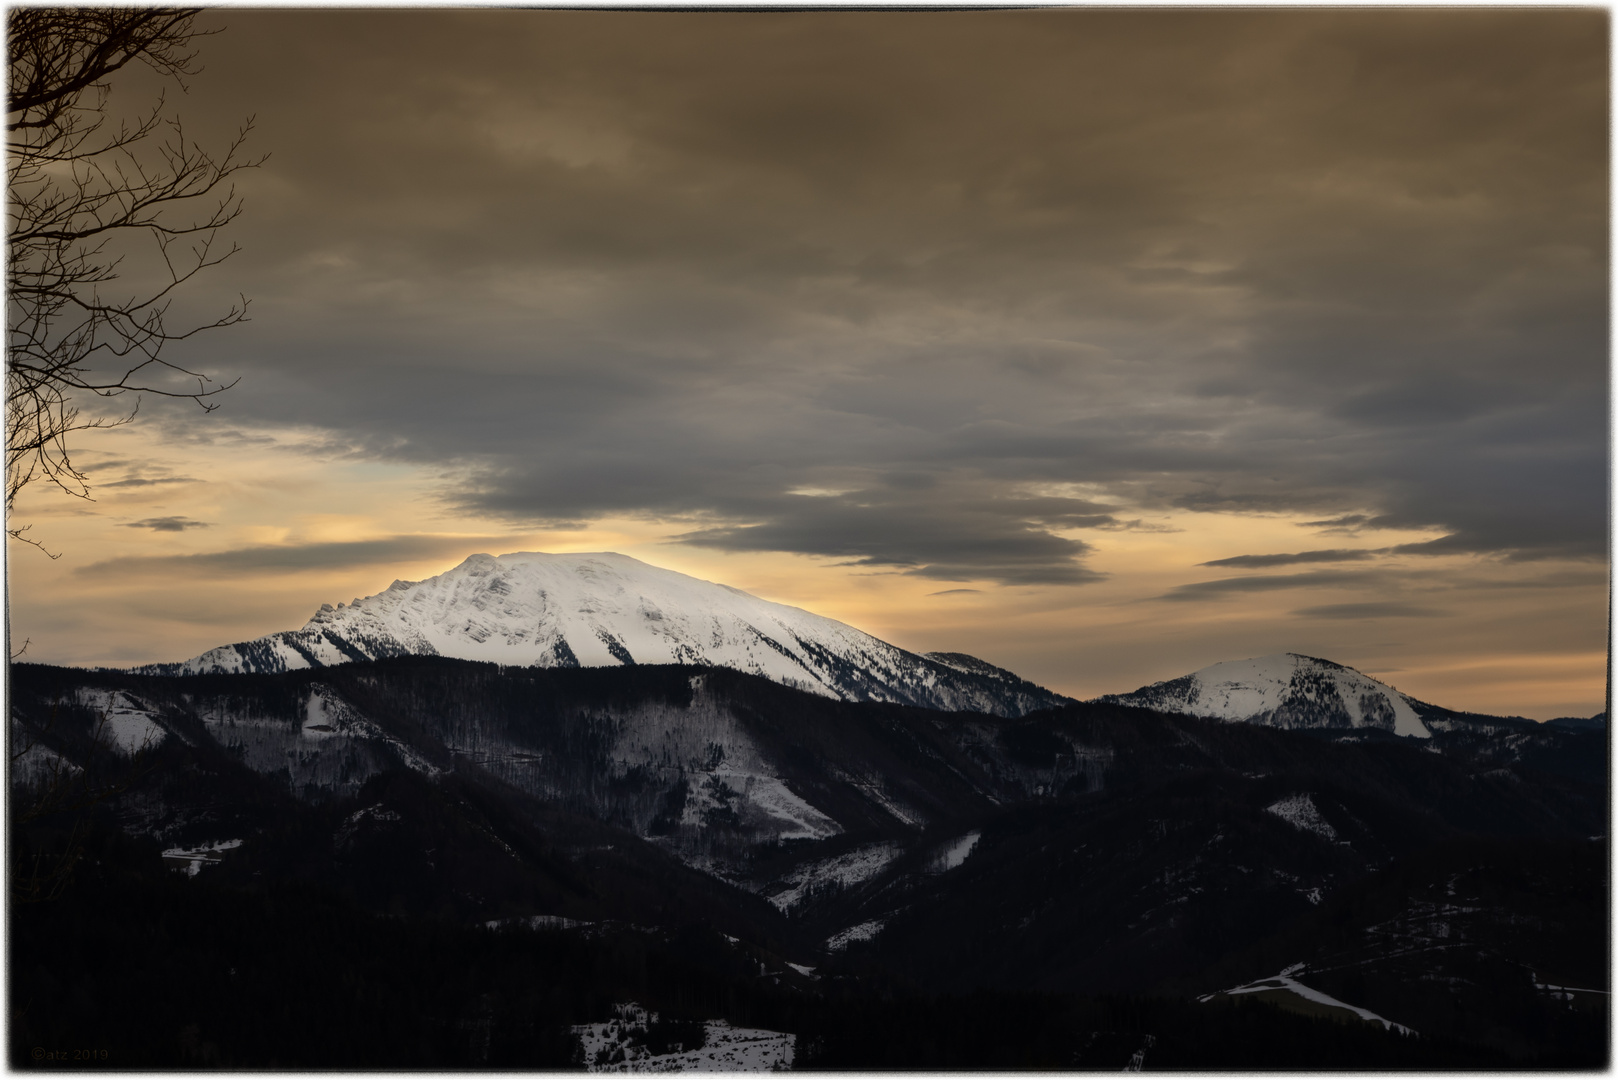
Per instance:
x=1084, y=874
x=136, y=967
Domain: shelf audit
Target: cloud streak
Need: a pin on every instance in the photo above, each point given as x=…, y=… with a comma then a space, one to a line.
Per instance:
x=275, y=559
x=1371, y=610
x=1327, y=556
x=1239, y=586
x=946, y=540
x=167, y=524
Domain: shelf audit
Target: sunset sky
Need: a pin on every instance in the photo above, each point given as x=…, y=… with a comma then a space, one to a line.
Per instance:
x=1100, y=344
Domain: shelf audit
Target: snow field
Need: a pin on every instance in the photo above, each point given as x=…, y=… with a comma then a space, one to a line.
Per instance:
x=1285, y=982
x=761, y=801
x=126, y=724
x=612, y=1047
x=191, y=860
x=839, y=871
x=1300, y=812
x=952, y=854
x=533, y=609
x=540, y=922
x=864, y=931
x=603, y=609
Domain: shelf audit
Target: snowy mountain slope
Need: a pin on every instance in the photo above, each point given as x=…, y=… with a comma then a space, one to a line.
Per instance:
x=604, y=609
x=1286, y=691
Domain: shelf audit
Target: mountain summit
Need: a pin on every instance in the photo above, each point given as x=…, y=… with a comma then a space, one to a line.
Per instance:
x=532, y=609
x=1286, y=691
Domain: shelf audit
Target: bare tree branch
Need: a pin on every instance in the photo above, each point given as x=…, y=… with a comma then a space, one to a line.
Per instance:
x=80, y=192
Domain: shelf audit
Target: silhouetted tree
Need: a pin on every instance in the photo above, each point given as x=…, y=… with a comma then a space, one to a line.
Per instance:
x=85, y=193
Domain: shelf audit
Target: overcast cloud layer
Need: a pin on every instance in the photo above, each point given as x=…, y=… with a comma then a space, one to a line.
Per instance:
x=939, y=292
x=1056, y=324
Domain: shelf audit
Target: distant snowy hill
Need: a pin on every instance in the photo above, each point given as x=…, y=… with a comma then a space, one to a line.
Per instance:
x=1285, y=691
x=599, y=610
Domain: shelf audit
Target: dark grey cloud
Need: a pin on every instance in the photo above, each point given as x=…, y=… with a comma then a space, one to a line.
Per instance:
x=953, y=592
x=1346, y=264
x=1472, y=542
x=1372, y=610
x=167, y=524
x=1223, y=587
x=1347, y=521
x=1592, y=578
x=291, y=558
x=956, y=540
x=145, y=481
x=1255, y=562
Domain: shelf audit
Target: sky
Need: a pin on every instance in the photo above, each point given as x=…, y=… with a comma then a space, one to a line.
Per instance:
x=1101, y=344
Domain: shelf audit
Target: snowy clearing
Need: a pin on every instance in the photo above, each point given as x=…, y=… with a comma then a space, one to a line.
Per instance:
x=617, y=1046
x=865, y=931
x=840, y=872
x=1286, y=983
x=952, y=854
x=1300, y=812
x=539, y=922
x=192, y=860
x=126, y=724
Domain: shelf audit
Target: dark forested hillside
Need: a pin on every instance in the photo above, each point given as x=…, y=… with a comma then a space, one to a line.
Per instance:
x=453, y=863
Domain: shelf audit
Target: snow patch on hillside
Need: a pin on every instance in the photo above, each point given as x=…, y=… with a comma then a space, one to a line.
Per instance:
x=191, y=860
x=864, y=931
x=37, y=764
x=618, y=1046
x=327, y=745
x=126, y=724
x=1300, y=812
x=1285, y=983
x=539, y=922
x=837, y=872
x=761, y=802
x=791, y=817
x=877, y=793
x=952, y=854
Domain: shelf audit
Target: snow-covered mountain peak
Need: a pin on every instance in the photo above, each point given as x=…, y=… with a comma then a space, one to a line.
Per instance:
x=602, y=609
x=1284, y=690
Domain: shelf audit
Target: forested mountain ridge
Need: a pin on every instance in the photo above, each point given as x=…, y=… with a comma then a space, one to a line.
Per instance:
x=1088, y=849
